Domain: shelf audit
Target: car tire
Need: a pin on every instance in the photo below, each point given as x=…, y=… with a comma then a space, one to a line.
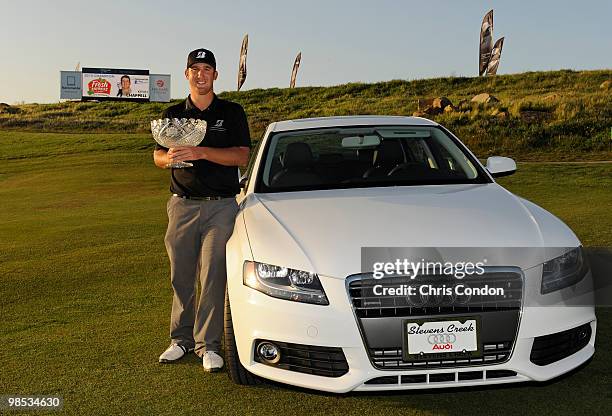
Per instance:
x=236, y=371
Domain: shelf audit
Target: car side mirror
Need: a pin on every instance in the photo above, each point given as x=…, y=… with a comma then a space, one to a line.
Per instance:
x=499, y=166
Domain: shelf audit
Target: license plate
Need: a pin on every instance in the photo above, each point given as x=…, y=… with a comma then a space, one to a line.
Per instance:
x=439, y=339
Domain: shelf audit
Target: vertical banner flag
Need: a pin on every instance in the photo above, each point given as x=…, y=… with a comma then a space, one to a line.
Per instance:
x=495, y=56
x=486, y=42
x=242, y=69
x=296, y=66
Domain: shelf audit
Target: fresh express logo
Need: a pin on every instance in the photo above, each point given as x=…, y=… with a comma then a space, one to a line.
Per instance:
x=99, y=86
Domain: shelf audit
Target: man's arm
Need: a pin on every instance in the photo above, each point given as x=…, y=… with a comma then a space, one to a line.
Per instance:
x=229, y=156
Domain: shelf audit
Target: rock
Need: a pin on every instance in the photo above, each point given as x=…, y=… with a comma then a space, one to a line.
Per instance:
x=5, y=108
x=606, y=85
x=464, y=105
x=432, y=111
x=441, y=102
x=484, y=98
x=499, y=114
x=496, y=112
x=423, y=103
x=433, y=105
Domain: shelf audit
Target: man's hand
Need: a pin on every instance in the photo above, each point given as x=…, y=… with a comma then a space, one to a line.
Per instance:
x=184, y=153
x=230, y=156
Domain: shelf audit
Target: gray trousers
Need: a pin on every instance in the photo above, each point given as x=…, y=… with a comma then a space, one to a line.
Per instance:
x=195, y=240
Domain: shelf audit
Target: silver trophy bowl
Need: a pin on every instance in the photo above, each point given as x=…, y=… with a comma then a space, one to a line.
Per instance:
x=175, y=132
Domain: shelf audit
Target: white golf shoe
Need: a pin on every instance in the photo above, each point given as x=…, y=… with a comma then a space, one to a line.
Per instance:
x=212, y=361
x=173, y=353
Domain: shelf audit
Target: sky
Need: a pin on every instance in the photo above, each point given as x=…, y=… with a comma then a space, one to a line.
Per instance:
x=341, y=41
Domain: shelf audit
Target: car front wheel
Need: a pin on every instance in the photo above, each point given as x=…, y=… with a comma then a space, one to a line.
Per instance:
x=236, y=371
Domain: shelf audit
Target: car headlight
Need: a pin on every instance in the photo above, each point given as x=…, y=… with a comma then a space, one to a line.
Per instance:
x=283, y=283
x=564, y=271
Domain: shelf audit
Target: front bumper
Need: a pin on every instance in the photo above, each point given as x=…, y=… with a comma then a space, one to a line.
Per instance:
x=258, y=316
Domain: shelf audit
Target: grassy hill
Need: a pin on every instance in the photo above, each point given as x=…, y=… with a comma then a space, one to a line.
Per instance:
x=559, y=115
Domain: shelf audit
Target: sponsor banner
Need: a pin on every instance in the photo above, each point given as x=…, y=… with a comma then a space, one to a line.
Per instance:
x=159, y=88
x=70, y=85
x=115, y=84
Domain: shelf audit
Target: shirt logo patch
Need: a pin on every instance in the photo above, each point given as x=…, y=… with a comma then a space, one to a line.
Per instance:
x=217, y=126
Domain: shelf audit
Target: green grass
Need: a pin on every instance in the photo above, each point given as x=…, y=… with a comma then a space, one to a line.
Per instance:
x=19, y=145
x=578, y=194
x=557, y=115
x=86, y=294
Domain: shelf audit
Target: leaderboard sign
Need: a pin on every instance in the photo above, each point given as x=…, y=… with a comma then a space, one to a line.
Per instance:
x=115, y=84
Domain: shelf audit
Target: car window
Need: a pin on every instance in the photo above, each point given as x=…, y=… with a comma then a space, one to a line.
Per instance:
x=333, y=158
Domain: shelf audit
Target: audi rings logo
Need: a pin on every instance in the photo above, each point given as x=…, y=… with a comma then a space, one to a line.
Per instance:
x=445, y=338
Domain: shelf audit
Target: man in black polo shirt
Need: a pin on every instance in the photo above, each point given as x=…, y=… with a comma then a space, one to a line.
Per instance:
x=201, y=212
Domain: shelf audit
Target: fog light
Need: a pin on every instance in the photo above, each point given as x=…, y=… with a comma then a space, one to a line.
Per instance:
x=268, y=352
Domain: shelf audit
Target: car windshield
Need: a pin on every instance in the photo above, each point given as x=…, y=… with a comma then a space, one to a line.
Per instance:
x=335, y=158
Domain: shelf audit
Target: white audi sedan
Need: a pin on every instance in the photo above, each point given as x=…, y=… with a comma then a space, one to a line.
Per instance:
x=378, y=253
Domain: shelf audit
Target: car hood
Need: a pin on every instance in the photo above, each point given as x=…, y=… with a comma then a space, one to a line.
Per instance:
x=325, y=231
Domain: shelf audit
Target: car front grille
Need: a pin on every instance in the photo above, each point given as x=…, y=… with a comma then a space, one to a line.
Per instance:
x=454, y=377
x=381, y=318
x=391, y=359
x=367, y=304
